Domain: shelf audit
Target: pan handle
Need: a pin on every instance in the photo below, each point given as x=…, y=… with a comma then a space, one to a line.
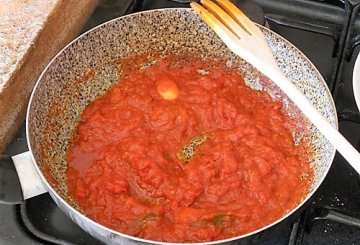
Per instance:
x=19, y=179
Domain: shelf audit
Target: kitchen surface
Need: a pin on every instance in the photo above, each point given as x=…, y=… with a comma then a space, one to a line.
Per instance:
x=328, y=33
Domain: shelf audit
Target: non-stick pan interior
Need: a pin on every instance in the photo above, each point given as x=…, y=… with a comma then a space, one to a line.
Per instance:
x=85, y=69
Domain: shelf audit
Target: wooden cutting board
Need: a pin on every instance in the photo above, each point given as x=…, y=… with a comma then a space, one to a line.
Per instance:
x=32, y=32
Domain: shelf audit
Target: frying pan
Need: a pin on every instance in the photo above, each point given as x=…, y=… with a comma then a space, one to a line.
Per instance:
x=61, y=94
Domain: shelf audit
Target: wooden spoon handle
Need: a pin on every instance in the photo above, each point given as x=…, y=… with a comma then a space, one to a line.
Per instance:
x=335, y=138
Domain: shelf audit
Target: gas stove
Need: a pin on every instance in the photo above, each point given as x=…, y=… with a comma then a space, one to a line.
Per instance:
x=328, y=33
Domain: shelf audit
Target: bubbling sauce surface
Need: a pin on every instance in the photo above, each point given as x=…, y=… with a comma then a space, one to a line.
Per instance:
x=214, y=160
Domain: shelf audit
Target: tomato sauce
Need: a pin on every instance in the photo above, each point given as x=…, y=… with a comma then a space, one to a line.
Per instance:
x=212, y=160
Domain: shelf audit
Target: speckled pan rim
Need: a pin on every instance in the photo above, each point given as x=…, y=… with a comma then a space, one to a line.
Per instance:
x=49, y=187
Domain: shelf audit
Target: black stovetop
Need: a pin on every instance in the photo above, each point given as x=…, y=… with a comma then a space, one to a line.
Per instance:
x=328, y=32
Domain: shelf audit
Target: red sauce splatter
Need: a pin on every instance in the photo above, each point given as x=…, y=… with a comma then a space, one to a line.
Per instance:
x=49, y=176
x=88, y=75
x=124, y=167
